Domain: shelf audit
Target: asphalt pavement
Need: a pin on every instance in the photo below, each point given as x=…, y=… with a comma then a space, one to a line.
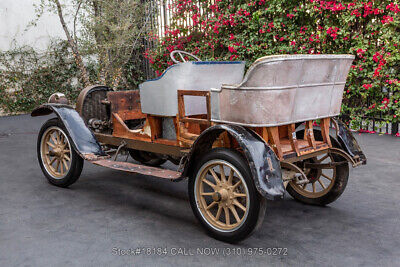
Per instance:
x=112, y=218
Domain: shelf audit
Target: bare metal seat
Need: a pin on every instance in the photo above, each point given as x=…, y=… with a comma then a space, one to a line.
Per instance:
x=285, y=89
x=159, y=96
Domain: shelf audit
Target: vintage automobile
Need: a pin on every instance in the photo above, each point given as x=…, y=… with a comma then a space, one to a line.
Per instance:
x=239, y=138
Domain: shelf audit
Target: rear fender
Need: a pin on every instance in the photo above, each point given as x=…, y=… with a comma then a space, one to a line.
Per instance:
x=264, y=164
x=83, y=140
x=348, y=143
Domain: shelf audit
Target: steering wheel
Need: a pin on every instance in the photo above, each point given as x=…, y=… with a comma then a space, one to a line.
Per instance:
x=181, y=53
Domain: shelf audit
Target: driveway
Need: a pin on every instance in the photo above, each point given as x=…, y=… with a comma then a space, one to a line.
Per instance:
x=114, y=218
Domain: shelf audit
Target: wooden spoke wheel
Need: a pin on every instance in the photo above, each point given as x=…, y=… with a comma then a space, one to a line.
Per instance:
x=327, y=181
x=223, y=196
x=321, y=179
x=56, y=152
x=59, y=162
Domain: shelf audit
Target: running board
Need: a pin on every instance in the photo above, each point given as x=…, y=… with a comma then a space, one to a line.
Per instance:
x=138, y=168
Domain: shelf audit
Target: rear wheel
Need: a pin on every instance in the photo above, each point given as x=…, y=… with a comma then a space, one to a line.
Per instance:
x=223, y=196
x=327, y=183
x=58, y=160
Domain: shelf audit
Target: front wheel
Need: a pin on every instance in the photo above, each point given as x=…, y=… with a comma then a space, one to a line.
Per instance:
x=60, y=163
x=223, y=196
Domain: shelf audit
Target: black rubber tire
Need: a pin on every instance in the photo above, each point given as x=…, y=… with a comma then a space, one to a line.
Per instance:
x=257, y=208
x=340, y=183
x=146, y=158
x=76, y=161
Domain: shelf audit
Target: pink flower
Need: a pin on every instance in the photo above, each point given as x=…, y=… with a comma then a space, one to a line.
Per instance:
x=195, y=19
x=356, y=13
x=376, y=56
x=303, y=29
x=290, y=16
x=393, y=7
x=332, y=32
x=367, y=86
x=361, y=51
x=386, y=19
x=232, y=37
x=231, y=49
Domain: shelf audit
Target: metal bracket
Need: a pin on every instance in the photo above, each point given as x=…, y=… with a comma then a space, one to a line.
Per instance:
x=295, y=173
x=329, y=165
x=340, y=152
x=123, y=144
x=182, y=163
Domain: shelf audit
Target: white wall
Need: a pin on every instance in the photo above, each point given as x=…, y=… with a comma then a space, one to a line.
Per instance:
x=15, y=15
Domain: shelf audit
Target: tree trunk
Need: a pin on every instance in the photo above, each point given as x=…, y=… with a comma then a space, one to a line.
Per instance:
x=99, y=37
x=74, y=46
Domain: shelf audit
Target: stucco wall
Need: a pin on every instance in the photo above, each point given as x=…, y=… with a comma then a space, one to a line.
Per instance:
x=15, y=15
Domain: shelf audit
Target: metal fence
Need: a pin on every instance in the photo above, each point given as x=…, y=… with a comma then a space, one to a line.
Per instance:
x=375, y=124
x=160, y=13
x=166, y=11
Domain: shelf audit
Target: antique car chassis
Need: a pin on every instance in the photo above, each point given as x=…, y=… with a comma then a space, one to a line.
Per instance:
x=278, y=152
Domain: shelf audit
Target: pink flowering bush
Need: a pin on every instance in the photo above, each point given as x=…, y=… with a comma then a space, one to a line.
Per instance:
x=243, y=30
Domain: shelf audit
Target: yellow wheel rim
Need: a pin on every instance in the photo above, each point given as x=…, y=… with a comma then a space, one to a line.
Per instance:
x=222, y=196
x=322, y=179
x=56, y=152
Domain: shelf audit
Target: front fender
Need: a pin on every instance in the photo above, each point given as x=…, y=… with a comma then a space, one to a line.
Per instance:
x=264, y=164
x=348, y=142
x=83, y=140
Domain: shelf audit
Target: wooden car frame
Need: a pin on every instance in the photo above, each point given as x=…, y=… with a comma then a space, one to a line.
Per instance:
x=241, y=148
